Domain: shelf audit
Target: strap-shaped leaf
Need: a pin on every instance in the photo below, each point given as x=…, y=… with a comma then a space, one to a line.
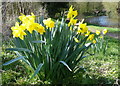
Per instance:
x=88, y=45
x=78, y=69
x=38, y=41
x=82, y=57
x=64, y=63
x=19, y=49
x=13, y=60
x=37, y=70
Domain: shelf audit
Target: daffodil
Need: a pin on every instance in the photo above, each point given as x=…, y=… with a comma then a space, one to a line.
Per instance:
x=40, y=28
x=29, y=26
x=79, y=31
x=97, y=32
x=28, y=21
x=49, y=23
x=87, y=34
x=101, y=37
x=18, y=31
x=82, y=25
x=83, y=28
x=71, y=13
x=76, y=40
x=27, y=18
x=72, y=21
x=22, y=17
x=104, y=31
x=94, y=41
x=91, y=37
x=21, y=27
x=74, y=13
x=35, y=26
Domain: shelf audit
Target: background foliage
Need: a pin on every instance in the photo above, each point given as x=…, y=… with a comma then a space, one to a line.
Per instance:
x=11, y=10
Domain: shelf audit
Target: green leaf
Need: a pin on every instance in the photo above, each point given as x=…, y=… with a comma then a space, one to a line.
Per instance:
x=79, y=69
x=37, y=70
x=64, y=63
x=19, y=49
x=82, y=57
x=13, y=60
x=38, y=41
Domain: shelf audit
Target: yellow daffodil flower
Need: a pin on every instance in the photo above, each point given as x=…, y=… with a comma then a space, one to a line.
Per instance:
x=69, y=15
x=83, y=28
x=94, y=41
x=22, y=17
x=30, y=26
x=91, y=37
x=18, y=31
x=49, y=23
x=82, y=25
x=72, y=13
x=97, y=32
x=72, y=21
x=79, y=31
x=21, y=27
x=101, y=37
x=40, y=28
x=104, y=31
x=27, y=18
x=35, y=26
x=28, y=21
x=87, y=34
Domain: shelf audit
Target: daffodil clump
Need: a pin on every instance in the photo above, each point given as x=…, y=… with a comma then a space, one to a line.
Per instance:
x=82, y=28
x=101, y=46
x=29, y=24
x=53, y=49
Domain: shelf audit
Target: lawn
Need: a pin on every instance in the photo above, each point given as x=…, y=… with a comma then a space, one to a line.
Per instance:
x=101, y=28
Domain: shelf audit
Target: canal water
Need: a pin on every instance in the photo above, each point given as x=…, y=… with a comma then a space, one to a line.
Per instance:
x=103, y=21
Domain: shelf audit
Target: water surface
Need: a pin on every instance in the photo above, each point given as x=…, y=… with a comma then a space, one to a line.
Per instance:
x=103, y=21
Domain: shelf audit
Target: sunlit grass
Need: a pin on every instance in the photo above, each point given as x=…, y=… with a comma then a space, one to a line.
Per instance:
x=110, y=29
x=104, y=66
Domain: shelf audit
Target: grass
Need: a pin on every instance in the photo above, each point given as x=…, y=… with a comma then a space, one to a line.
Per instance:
x=103, y=68
x=110, y=29
x=100, y=68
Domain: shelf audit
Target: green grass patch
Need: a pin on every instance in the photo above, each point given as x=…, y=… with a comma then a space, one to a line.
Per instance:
x=110, y=29
x=103, y=68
